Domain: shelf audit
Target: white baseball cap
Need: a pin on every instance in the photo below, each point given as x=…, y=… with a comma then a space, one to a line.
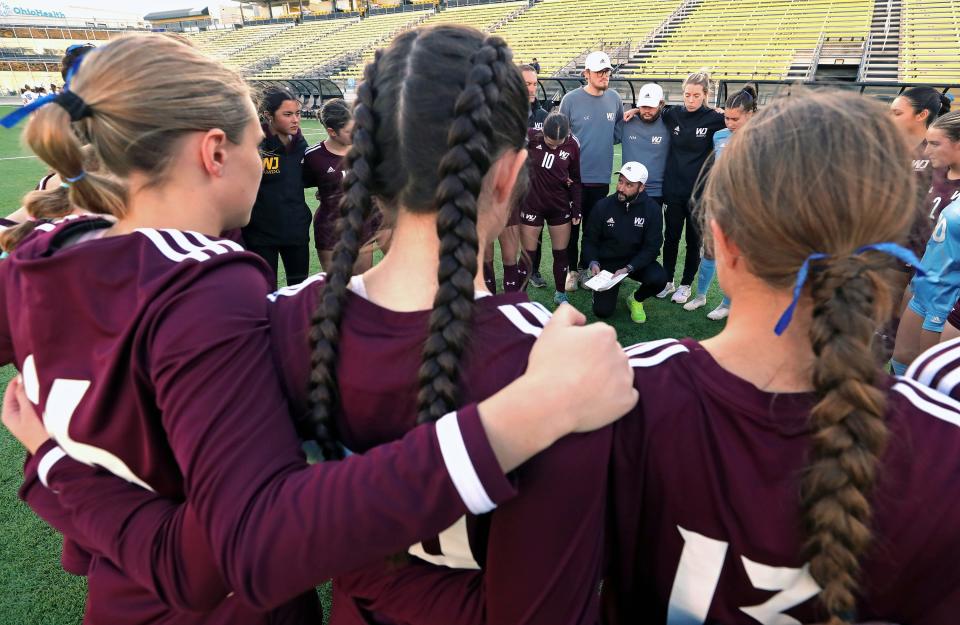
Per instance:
x=597, y=61
x=650, y=95
x=634, y=172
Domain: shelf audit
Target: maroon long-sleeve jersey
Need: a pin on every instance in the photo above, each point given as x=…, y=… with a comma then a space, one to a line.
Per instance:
x=149, y=355
x=706, y=521
x=554, y=175
x=541, y=553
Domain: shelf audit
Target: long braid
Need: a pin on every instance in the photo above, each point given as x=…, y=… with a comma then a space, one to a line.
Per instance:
x=356, y=205
x=849, y=432
x=461, y=174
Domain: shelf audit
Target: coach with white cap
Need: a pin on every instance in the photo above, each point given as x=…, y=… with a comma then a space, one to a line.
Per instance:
x=623, y=235
x=646, y=139
x=596, y=117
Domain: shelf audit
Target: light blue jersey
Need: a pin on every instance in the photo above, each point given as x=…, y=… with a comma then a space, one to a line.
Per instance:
x=938, y=291
x=720, y=139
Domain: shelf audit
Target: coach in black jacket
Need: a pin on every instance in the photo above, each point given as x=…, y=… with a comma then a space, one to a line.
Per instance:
x=623, y=235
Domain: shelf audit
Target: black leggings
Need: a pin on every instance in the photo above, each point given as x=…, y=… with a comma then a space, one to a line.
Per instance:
x=591, y=195
x=296, y=260
x=652, y=279
x=675, y=215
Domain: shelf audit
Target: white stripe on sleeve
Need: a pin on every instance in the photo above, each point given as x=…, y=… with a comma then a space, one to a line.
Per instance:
x=459, y=466
x=46, y=463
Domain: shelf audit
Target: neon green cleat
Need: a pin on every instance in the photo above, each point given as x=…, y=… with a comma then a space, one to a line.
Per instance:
x=637, y=313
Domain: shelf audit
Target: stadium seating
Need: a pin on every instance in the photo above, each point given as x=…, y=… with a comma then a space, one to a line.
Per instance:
x=314, y=54
x=286, y=42
x=222, y=44
x=482, y=17
x=556, y=31
x=930, y=41
x=751, y=38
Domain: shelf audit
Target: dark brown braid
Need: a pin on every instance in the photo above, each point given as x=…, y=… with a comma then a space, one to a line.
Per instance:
x=845, y=143
x=423, y=141
x=461, y=173
x=356, y=206
x=849, y=433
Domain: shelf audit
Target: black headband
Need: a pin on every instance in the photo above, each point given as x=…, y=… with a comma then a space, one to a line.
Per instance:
x=73, y=104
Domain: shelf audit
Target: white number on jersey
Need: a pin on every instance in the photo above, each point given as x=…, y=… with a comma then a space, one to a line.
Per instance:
x=65, y=395
x=940, y=230
x=936, y=205
x=548, y=159
x=454, y=547
x=698, y=573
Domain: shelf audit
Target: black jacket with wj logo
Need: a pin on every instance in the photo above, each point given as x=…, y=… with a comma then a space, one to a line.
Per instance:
x=280, y=214
x=691, y=142
x=628, y=232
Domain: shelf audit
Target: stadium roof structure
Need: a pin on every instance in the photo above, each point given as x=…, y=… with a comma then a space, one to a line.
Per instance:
x=177, y=14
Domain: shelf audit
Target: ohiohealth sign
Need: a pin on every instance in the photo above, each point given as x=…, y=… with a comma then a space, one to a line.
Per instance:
x=6, y=11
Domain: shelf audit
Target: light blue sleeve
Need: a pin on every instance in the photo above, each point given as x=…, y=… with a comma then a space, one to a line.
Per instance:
x=944, y=262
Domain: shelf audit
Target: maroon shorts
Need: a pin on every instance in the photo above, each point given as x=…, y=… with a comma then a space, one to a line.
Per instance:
x=954, y=317
x=325, y=229
x=554, y=216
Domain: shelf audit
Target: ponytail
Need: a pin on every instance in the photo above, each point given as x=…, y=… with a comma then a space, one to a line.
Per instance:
x=927, y=99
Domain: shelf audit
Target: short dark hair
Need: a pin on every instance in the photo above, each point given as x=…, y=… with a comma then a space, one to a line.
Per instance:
x=335, y=114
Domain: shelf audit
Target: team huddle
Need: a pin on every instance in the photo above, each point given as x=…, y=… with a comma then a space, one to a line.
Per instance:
x=479, y=458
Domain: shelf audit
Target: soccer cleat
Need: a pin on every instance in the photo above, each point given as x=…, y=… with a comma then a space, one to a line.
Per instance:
x=667, y=290
x=572, y=281
x=682, y=295
x=718, y=313
x=637, y=313
x=698, y=302
x=559, y=298
x=536, y=280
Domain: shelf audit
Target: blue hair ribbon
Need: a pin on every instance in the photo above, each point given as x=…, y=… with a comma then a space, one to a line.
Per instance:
x=17, y=116
x=891, y=249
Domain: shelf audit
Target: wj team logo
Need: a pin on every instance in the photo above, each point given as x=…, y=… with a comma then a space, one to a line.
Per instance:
x=271, y=164
x=638, y=222
x=656, y=140
x=701, y=132
x=921, y=164
x=611, y=116
x=564, y=155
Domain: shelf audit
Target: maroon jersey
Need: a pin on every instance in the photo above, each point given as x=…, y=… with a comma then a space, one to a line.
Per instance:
x=324, y=170
x=943, y=191
x=706, y=512
x=162, y=381
x=926, y=215
x=939, y=368
x=540, y=553
x=554, y=176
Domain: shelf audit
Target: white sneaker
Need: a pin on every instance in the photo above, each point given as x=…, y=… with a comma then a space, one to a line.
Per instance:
x=698, y=302
x=682, y=295
x=571, y=283
x=718, y=313
x=667, y=290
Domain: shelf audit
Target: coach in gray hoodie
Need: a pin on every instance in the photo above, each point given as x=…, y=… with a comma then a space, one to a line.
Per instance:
x=596, y=117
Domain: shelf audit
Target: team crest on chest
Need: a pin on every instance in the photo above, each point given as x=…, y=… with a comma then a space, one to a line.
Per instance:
x=611, y=116
x=656, y=140
x=701, y=132
x=564, y=155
